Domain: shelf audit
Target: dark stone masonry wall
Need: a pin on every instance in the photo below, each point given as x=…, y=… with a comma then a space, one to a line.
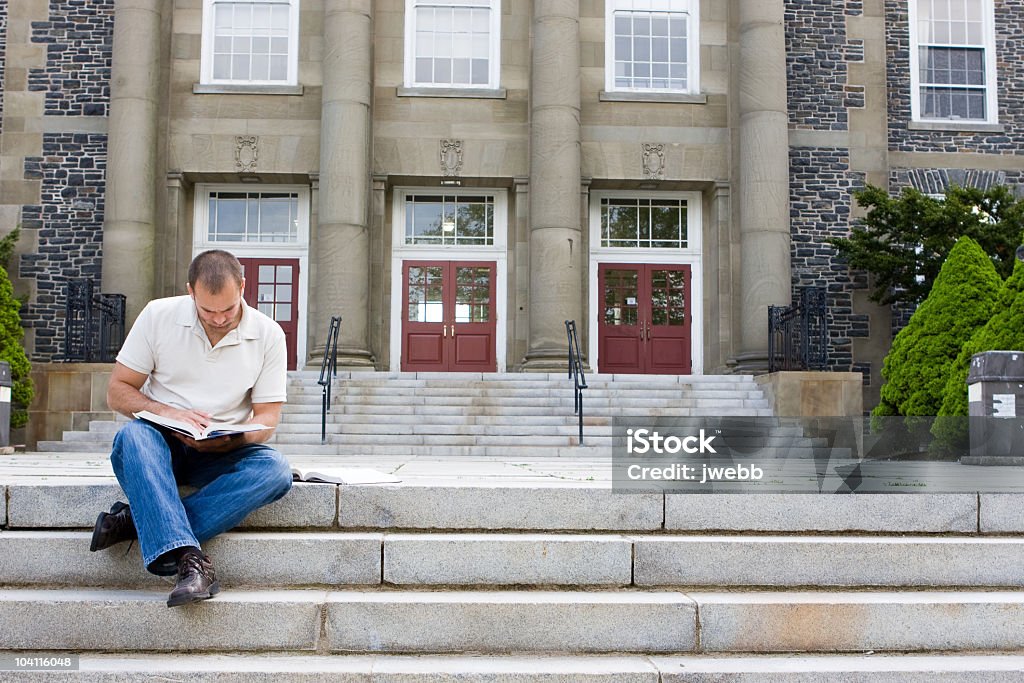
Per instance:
x=1009, y=34
x=78, y=36
x=69, y=223
x=3, y=57
x=817, y=54
x=820, y=202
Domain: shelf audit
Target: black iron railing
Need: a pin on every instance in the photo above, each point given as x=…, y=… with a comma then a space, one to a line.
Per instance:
x=93, y=323
x=328, y=371
x=576, y=371
x=798, y=334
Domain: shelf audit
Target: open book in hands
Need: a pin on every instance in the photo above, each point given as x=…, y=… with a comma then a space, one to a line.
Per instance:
x=212, y=430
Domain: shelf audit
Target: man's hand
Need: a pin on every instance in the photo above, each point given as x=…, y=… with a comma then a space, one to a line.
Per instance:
x=196, y=418
x=220, y=444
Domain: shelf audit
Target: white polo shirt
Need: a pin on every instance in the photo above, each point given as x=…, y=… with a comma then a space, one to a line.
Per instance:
x=168, y=343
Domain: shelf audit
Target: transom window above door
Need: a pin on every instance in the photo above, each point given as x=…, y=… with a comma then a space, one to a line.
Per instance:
x=251, y=42
x=452, y=43
x=449, y=220
x=651, y=46
x=644, y=223
x=253, y=216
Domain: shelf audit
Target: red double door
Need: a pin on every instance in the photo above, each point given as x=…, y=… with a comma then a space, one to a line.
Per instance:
x=448, y=321
x=272, y=287
x=644, y=319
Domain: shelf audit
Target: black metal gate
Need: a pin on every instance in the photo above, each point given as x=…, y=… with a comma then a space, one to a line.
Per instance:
x=798, y=334
x=93, y=324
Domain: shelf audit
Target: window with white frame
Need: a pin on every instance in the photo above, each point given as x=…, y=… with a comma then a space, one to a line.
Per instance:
x=255, y=217
x=253, y=42
x=449, y=220
x=643, y=223
x=953, y=60
x=652, y=46
x=452, y=43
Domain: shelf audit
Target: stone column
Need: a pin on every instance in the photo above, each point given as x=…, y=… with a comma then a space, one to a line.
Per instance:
x=556, y=243
x=129, y=227
x=343, y=246
x=763, y=176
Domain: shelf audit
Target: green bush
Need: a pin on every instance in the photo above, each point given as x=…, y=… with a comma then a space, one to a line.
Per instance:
x=11, y=334
x=961, y=301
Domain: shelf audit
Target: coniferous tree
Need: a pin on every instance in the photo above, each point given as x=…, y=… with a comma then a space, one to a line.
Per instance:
x=11, y=334
x=961, y=301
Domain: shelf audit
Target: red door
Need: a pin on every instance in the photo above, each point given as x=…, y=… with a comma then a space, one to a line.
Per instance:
x=643, y=321
x=272, y=287
x=448, y=322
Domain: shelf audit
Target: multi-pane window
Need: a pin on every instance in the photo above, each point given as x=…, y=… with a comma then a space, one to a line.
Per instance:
x=652, y=45
x=643, y=223
x=452, y=43
x=253, y=217
x=953, y=46
x=250, y=42
x=449, y=220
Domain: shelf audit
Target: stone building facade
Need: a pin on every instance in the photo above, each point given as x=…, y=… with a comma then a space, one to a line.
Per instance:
x=457, y=178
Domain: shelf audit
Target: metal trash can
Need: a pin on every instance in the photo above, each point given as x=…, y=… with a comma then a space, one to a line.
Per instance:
x=5, y=403
x=995, y=391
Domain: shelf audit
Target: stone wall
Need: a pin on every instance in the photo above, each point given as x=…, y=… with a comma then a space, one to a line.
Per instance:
x=78, y=37
x=820, y=203
x=817, y=53
x=69, y=221
x=1009, y=28
x=3, y=58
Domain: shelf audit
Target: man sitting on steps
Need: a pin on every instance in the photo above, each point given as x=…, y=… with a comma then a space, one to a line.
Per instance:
x=206, y=357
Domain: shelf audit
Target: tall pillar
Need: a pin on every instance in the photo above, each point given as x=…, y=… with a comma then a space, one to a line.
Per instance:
x=556, y=243
x=343, y=245
x=763, y=176
x=129, y=226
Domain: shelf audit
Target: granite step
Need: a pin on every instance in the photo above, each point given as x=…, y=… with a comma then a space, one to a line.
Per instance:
x=557, y=504
x=431, y=559
x=503, y=622
x=304, y=667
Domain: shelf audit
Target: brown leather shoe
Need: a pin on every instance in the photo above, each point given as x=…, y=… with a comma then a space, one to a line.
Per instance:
x=113, y=527
x=196, y=579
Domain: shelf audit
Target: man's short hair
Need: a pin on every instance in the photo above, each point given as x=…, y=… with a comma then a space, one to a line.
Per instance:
x=213, y=269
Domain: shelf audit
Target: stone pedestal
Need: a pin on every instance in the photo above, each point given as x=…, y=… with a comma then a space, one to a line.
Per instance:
x=995, y=391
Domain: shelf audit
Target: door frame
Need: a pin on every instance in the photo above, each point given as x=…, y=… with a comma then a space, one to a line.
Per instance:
x=292, y=250
x=497, y=253
x=690, y=256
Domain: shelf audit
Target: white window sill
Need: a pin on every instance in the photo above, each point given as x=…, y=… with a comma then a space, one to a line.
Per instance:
x=244, y=89
x=475, y=93
x=630, y=96
x=957, y=126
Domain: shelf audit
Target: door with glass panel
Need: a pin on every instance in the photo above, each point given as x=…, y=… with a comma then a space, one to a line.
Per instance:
x=448, y=322
x=644, y=319
x=272, y=287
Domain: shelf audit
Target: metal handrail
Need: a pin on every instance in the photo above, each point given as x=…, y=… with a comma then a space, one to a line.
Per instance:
x=576, y=372
x=328, y=370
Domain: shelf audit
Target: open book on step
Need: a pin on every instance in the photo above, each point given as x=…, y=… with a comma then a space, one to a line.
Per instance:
x=212, y=430
x=342, y=475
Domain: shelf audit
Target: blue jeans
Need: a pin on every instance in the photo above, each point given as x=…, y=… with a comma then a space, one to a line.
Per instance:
x=230, y=485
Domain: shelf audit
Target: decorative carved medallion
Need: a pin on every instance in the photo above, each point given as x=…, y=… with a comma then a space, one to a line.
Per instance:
x=246, y=153
x=653, y=161
x=451, y=158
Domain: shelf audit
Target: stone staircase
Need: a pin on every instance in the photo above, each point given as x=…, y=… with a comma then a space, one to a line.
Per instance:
x=505, y=555
x=435, y=580
x=441, y=414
